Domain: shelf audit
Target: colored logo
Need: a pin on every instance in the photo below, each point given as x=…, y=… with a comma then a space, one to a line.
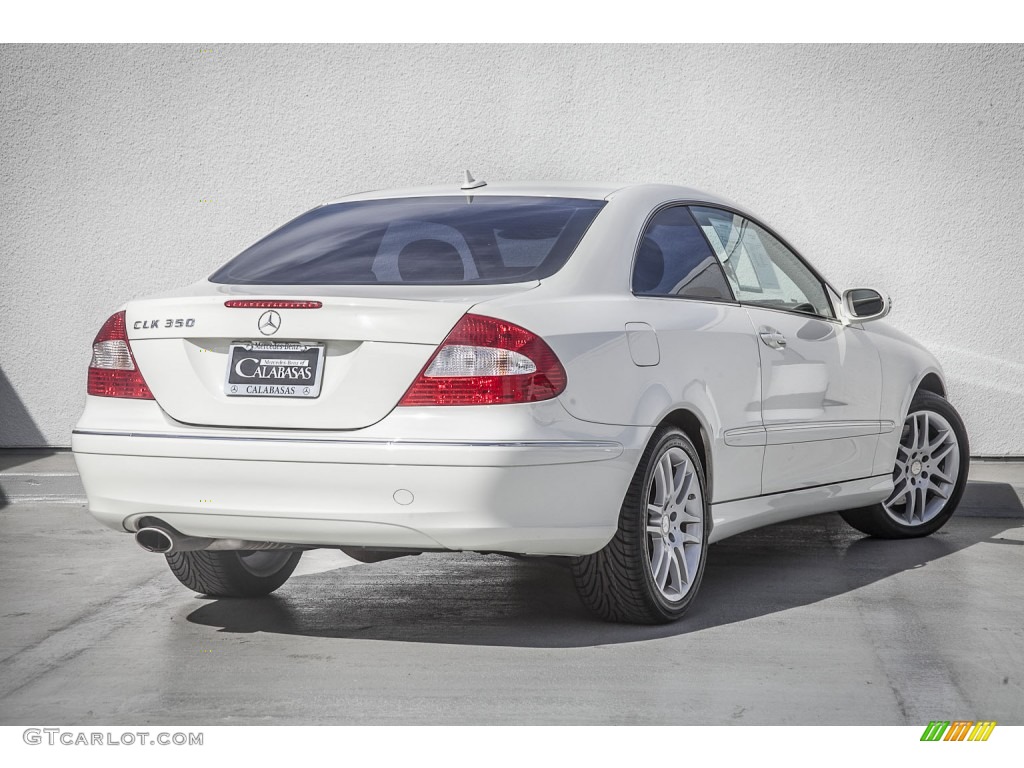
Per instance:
x=958, y=730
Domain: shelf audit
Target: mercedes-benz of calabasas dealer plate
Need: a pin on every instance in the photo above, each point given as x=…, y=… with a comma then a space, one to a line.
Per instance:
x=267, y=369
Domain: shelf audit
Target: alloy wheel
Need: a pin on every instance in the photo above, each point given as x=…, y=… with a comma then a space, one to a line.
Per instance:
x=675, y=522
x=926, y=471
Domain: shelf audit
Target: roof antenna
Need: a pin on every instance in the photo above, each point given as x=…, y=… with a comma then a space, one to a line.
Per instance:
x=471, y=183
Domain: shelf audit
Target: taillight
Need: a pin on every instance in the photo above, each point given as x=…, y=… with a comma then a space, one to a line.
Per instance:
x=485, y=361
x=113, y=372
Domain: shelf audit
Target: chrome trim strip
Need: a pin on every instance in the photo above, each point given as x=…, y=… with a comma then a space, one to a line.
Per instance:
x=812, y=431
x=746, y=437
x=596, y=444
x=804, y=432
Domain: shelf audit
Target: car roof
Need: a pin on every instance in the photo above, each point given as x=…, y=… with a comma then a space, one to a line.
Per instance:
x=585, y=190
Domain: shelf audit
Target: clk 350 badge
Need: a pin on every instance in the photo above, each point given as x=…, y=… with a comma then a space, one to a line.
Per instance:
x=169, y=322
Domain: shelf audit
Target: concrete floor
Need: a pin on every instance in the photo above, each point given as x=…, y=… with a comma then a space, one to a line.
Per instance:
x=800, y=623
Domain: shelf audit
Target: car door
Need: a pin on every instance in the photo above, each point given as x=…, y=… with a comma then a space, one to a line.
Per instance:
x=820, y=379
x=698, y=342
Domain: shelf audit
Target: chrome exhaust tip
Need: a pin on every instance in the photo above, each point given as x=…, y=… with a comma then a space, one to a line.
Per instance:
x=160, y=538
x=154, y=540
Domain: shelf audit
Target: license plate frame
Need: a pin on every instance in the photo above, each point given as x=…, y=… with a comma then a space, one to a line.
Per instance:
x=270, y=354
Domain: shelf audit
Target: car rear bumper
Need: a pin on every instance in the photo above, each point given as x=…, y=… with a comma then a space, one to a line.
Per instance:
x=551, y=490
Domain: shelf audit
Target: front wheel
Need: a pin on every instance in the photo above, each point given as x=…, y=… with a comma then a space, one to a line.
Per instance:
x=929, y=477
x=226, y=573
x=650, y=571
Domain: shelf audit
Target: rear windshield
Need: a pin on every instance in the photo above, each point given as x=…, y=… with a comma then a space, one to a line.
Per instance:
x=423, y=240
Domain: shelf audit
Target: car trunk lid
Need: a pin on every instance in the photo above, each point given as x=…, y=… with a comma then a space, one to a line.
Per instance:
x=371, y=343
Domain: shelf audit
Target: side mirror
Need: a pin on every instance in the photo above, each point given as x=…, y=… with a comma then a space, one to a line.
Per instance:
x=863, y=304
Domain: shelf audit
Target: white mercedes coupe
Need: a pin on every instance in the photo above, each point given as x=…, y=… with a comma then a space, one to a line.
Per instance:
x=620, y=375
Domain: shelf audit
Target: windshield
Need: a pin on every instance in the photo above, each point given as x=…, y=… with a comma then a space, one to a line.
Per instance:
x=422, y=240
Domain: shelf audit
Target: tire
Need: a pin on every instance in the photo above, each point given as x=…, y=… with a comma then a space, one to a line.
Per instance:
x=234, y=574
x=929, y=477
x=619, y=583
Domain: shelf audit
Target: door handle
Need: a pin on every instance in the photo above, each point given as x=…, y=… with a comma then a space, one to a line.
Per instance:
x=773, y=338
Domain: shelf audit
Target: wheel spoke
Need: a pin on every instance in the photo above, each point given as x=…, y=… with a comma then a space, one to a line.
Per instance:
x=899, y=474
x=937, y=489
x=921, y=489
x=660, y=485
x=658, y=555
x=677, y=571
x=899, y=491
x=689, y=538
x=940, y=438
x=683, y=482
x=911, y=504
x=664, y=565
x=941, y=475
x=942, y=453
x=654, y=515
x=684, y=566
x=666, y=472
x=688, y=518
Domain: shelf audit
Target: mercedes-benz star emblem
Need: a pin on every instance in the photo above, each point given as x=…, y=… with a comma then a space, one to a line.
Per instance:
x=269, y=323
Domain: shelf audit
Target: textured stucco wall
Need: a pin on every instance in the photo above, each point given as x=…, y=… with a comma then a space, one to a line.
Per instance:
x=127, y=170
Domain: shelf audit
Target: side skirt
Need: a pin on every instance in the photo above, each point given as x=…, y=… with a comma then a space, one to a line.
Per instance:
x=732, y=517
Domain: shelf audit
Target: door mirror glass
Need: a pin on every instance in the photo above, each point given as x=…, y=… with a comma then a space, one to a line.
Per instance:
x=865, y=304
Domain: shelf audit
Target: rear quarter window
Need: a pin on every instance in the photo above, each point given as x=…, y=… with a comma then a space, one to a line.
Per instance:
x=674, y=260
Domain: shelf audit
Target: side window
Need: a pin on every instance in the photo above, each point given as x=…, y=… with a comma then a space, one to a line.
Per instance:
x=674, y=260
x=760, y=269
